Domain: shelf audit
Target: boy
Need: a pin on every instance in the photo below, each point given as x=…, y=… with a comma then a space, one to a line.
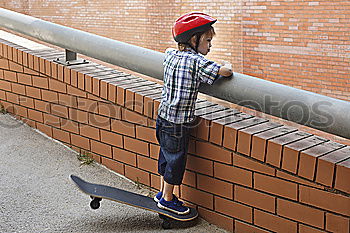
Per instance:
x=184, y=69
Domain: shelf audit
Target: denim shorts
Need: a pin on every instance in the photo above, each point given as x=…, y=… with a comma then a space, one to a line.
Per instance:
x=173, y=140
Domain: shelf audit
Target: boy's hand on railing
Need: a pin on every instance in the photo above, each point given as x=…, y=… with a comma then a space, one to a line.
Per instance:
x=226, y=69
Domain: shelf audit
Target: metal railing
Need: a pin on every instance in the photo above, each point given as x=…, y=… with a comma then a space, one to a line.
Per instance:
x=317, y=111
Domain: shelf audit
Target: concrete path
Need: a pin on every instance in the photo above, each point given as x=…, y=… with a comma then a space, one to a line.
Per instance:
x=36, y=193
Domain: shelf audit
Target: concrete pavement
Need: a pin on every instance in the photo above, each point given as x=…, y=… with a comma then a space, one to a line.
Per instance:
x=36, y=193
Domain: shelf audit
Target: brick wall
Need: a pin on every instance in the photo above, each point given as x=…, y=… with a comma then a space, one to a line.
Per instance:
x=244, y=173
x=300, y=43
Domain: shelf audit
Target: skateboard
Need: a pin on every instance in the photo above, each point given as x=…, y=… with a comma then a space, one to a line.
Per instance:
x=98, y=192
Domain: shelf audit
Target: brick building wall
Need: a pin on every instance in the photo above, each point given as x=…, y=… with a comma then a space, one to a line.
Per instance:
x=301, y=43
x=244, y=173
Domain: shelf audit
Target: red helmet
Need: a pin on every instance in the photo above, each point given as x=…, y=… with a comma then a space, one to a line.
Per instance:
x=189, y=24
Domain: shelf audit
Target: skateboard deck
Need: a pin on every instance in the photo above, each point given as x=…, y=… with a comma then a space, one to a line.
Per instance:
x=98, y=192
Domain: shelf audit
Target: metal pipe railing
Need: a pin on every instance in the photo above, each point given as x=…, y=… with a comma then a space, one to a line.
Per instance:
x=317, y=111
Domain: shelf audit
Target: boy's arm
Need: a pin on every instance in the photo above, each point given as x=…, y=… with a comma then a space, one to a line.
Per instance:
x=225, y=70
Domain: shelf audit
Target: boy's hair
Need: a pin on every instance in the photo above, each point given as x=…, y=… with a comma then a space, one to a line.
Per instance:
x=186, y=46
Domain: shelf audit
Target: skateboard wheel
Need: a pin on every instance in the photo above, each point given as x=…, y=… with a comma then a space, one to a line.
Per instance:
x=95, y=204
x=166, y=224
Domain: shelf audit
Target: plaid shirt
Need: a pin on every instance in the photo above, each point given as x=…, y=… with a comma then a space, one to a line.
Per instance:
x=183, y=72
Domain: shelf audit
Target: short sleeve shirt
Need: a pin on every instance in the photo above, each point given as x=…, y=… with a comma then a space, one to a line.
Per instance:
x=183, y=73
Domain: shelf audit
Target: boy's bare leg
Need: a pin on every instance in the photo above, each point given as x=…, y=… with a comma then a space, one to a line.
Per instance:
x=168, y=191
x=161, y=183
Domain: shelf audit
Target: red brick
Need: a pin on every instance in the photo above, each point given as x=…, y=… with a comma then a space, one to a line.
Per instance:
x=200, y=165
x=233, y=209
x=189, y=178
x=241, y=227
x=247, y=163
x=18, y=89
x=215, y=186
x=70, y=126
x=4, y=85
x=81, y=81
x=275, y=147
x=254, y=199
x=307, y=229
x=49, y=96
x=24, y=79
x=88, y=83
x=155, y=181
x=44, y=129
x=42, y=65
x=51, y=120
x=101, y=148
x=15, y=67
x=109, y=110
x=138, y=105
x=47, y=68
x=290, y=158
x=137, y=175
x=32, y=92
x=133, y=117
x=10, y=76
x=156, y=104
x=259, y=141
x=57, y=86
x=99, y=121
x=123, y=127
x=77, y=115
x=198, y=197
x=202, y=129
x=337, y=223
x=74, y=78
x=308, y=158
x=67, y=100
x=87, y=105
x=40, y=82
x=146, y=134
x=213, y=152
x=233, y=174
x=76, y=92
x=4, y=63
x=21, y=111
x=148, y=106
x=342, y=178
x=2, y=94
x=113, y=165
x=273, y=222
x=13, y=98
x=111, y=138
x=112, y=93
x=296, y=179
x=216, y=218
x=61, y=135
x=136, y=146
x=154, y=151
x=326, y=164
x=325, y=200
x=90, y=132
x=124, y=156
x=35, y=115
x=66, y=75
x=80, y=142
x=275, y=186
x=59, y=110
x=244, y=137
x=148, y=164
x=300, y=213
